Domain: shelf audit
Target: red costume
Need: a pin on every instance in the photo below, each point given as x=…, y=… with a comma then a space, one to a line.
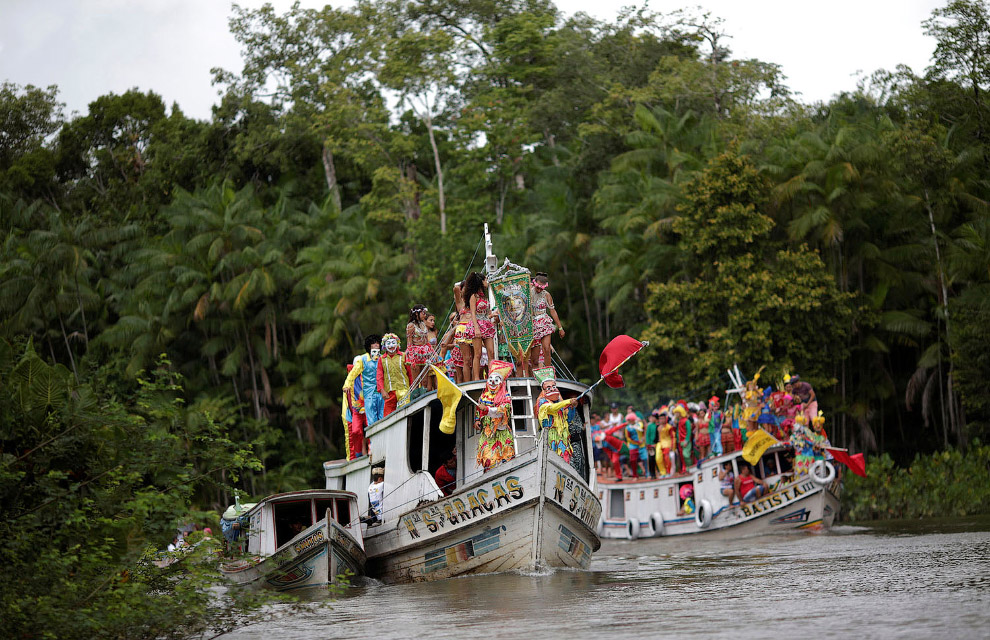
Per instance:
x=612, y=448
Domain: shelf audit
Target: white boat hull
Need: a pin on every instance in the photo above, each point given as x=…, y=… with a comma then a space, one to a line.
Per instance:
x=798, y=504
x=524, y=515
x=316, y=557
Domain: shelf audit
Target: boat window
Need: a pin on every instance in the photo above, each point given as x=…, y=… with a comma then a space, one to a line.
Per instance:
x=786, y=461
x=768, y=465
x=290, y=519
x=617, y=503
x=343, y=515
x=322, y=505
x=414, y=438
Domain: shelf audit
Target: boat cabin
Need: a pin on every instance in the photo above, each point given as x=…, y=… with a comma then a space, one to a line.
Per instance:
x=411, y=446
x=278, y=519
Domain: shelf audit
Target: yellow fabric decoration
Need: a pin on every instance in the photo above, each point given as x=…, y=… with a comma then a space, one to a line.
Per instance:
x=449, y=395
x=757, y=444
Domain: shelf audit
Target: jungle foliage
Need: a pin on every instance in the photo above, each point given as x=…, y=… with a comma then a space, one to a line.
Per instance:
x=179, y=297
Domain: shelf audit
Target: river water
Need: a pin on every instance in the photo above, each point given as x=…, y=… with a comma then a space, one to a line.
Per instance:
x=917, y=579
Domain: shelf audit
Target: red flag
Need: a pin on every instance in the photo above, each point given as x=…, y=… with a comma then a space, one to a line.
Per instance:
x=855, y=462
x=614, y=355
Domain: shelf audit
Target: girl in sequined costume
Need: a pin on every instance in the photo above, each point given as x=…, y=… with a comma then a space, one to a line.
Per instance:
x=418, y=349
x=476, y=292
x=545, y=320
x=463, y=333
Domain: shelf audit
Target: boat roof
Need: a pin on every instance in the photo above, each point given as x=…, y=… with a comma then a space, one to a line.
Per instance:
x=287, y=496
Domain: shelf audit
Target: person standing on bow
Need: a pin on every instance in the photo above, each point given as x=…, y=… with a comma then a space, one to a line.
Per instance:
x=545, y=320
x=418, y=349
x=368, y=406
x=393, y=377
x=476, y=292
x=552, y=413
x=494, y=418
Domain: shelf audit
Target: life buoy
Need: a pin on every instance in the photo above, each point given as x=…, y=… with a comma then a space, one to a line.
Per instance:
x=632, y=529
x=656, y=524
x=816, y=471
x=703, y=514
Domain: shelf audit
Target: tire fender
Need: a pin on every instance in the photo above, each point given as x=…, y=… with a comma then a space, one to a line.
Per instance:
x=632, y=529
x=703, y=514
x=816, y=473
x=656, y=524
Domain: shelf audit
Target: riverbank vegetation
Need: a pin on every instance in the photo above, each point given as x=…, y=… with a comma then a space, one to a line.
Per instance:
x=949, y=483
x=192, y=290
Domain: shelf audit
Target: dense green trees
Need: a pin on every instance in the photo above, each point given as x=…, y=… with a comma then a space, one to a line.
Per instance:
x=672, y=190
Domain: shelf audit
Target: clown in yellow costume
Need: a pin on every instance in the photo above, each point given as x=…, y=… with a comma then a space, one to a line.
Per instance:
x=394, y=374
x=494, y=418
x=552, y=413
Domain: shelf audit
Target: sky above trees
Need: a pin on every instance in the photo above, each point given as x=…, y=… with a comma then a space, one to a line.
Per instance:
x=95, y=47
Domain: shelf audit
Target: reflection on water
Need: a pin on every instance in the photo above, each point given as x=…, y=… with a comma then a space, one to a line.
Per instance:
x=892, y=579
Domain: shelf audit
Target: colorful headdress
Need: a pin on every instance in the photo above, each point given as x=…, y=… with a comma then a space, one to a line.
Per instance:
x=540, y=285
x=819, y=420
x=500, y=367
x=713, y=399
x=543, y=374
x=680, y=409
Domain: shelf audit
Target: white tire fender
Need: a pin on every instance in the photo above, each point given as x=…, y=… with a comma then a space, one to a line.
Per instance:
x=703, y=514
x=632, y=529
x=656, y=523
x=817, y=470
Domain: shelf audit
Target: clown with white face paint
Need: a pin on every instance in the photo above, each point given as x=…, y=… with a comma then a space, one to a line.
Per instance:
x=368, y=405
x=494, y=418
x=552, y=413
x=393, y=376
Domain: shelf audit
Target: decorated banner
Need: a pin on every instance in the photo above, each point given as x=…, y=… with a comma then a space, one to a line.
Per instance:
x=757, y=444
x=514, y=300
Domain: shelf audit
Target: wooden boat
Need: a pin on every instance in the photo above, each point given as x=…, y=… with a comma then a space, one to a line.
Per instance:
x=294, y=540
x=651, y=508
x=533, y=511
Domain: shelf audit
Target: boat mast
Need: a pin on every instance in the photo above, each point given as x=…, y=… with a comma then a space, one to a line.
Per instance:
x=491, y=265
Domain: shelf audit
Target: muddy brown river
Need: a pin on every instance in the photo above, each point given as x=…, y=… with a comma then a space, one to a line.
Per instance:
x=904, y=579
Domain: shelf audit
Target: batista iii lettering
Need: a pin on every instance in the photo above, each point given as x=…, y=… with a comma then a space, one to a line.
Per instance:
x=778, y=499
x=460, y=509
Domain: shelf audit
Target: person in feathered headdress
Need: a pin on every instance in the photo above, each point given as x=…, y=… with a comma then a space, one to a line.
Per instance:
x=552, y=413
x=494, y=418
x=393, y=377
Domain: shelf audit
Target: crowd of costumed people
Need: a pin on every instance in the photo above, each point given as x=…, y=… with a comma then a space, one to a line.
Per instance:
x=385, y=376
x=678, y=435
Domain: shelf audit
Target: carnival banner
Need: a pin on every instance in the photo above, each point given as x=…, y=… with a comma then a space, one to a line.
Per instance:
x=515, y=307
